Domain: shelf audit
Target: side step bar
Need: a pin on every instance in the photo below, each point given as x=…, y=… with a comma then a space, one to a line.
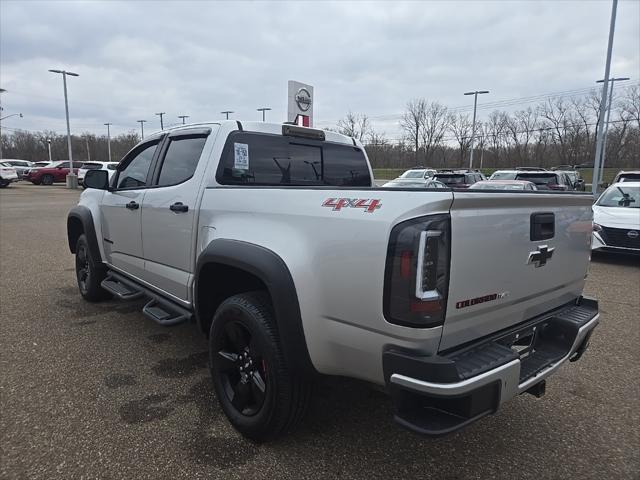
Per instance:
x=158, y=309
x=120, y=287
x=165, y=313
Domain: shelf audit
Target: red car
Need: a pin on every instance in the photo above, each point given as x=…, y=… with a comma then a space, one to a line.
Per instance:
x=54, y=172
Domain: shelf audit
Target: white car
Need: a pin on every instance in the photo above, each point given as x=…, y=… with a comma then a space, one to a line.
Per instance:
x=110, y=167
x=417, y=175
x=8, y=174
x=616, y=219
x=21, y=166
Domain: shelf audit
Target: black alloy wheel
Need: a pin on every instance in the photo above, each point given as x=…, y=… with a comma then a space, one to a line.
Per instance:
x=242, y=369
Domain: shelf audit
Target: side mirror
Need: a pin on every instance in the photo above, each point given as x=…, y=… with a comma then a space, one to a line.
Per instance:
x=98, y=179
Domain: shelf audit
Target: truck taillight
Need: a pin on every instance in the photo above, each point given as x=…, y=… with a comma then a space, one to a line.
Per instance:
x=417, y=272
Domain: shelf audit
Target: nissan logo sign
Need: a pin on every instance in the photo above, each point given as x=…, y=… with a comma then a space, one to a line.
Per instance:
x=303, y=99
x=632, y=234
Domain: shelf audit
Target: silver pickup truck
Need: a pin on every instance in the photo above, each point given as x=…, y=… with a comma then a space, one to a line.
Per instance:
x=275, y=242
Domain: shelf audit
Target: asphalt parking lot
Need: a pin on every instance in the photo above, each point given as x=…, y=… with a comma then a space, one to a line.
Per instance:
x=100, y=391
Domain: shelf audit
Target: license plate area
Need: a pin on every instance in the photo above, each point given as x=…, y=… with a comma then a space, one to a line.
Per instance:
x=523, y=342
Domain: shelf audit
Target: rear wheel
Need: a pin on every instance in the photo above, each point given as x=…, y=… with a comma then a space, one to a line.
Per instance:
x=254, y=385
x=47, y=179
x=89, y=273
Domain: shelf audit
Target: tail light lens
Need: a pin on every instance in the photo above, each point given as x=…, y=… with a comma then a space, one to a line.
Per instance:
x=417, y=272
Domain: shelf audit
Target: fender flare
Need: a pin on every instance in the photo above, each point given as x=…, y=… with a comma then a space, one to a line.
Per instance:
x=274, y=273
x=83, y=214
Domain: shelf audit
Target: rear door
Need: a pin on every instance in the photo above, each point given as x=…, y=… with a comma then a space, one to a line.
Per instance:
x=169, y=211
x=513, y=256
x=121, y=210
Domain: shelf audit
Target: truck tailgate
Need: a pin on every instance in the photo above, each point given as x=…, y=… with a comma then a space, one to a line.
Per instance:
x=507, y=265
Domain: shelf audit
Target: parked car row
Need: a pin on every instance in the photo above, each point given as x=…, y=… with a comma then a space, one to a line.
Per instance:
x=48, y=173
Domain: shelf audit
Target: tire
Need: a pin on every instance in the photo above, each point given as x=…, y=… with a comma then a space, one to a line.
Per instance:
x=89, y=273
x=263, y=400
x=4, y=184
x=47, y=180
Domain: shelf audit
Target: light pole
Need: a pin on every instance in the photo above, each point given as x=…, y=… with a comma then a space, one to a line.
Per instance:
x=109, y=140
x=160, y=114
x=475, y=94
x=49, y=148
x=72, y=179
x=2, y=90
x=263, y=109
x=227, y=112
x=606, y=125
x=183, y=117
x=141, y=122
x=603, y=101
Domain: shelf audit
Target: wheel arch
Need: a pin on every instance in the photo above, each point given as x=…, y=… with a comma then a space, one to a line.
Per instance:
x=236, y=266
x=79, y=221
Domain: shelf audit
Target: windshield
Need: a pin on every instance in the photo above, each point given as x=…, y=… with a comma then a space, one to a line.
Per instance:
x=5, y=164
x=503, y=176
x=628, y=197
x=413, y=174
x=450, y=179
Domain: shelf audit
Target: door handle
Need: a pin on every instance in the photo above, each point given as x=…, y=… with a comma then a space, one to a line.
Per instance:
x=179, y=207
x=132, y=205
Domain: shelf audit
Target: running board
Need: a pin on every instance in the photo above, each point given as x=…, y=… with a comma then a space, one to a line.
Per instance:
x=121, y=287
x=165, y=313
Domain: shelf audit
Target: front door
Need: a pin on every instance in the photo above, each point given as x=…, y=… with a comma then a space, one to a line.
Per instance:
x=169, y=212
x=121, y=210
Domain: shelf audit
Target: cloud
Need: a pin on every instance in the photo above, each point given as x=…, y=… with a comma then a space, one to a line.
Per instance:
x=199, y=58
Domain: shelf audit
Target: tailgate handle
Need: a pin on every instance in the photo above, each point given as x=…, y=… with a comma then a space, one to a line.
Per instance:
x=543, y=226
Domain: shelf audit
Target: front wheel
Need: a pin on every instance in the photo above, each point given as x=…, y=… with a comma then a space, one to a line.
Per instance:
x=253, y=383
x=89, y=273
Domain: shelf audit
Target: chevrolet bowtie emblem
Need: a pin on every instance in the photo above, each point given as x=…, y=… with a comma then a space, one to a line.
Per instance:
x=539, y=258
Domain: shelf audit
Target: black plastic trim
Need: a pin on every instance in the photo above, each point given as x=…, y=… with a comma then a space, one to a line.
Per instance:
x=273, y=272
x=239, y=125
x=83, y=214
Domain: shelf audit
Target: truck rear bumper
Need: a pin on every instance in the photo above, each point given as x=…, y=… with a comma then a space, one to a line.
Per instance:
x=439, y=394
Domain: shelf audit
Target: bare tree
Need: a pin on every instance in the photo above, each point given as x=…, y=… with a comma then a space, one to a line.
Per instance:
x=354, y=125
x=412, y=121
x=435, y=123
x=460, y=126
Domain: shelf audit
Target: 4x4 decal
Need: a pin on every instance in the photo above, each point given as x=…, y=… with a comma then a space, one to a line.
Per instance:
x=337, y=204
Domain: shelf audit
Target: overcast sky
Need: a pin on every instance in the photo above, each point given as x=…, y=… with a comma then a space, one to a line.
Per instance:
x=198, y=58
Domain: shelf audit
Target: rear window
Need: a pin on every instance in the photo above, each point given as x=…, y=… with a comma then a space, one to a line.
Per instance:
x=91, y=166
x=263, y=159
x=539, y=178
x=503, y=176
x=449, y=179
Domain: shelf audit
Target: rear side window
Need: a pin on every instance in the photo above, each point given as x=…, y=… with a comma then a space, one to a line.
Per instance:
x=262, y=159
x=181, y=160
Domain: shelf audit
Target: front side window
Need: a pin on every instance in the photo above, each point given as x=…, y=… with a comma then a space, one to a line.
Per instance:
x=63, y=165
x=262, y=159
x=134, y=175
x=181, y=160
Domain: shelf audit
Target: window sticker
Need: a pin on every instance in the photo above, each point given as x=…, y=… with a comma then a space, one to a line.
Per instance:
x=241, y=157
